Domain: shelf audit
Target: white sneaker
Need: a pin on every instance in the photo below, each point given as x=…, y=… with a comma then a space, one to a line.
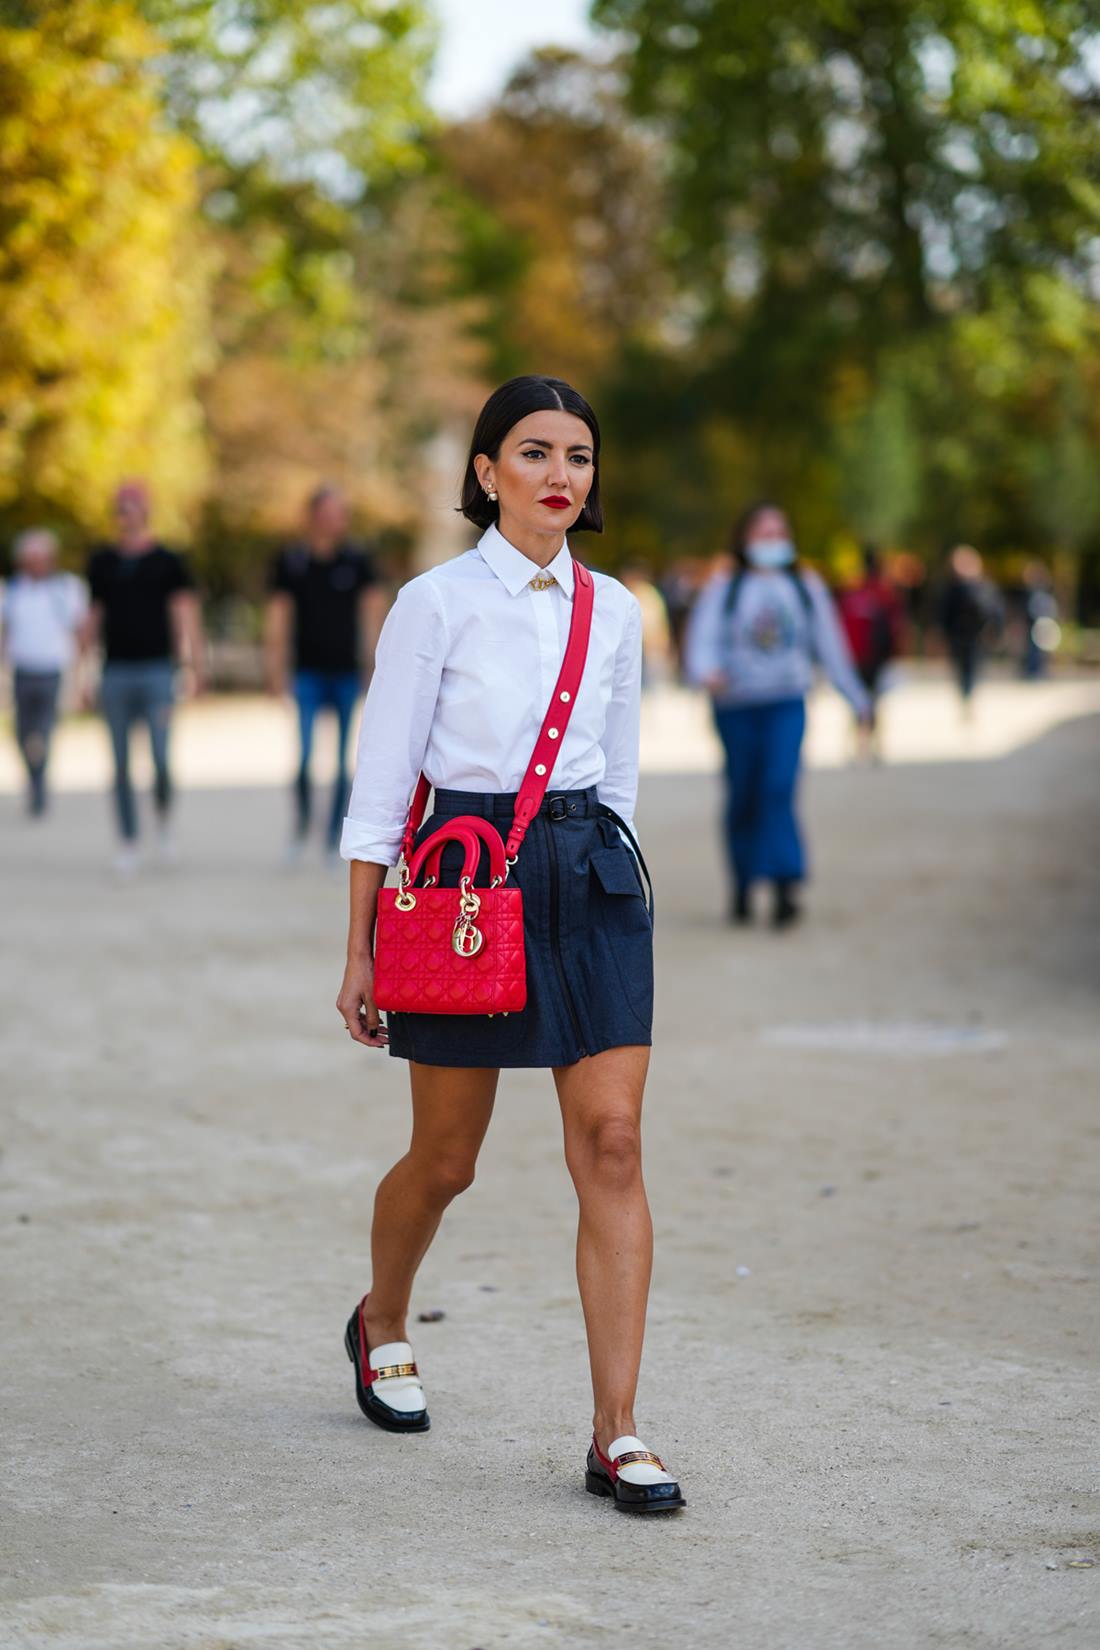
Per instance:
x=127, y=860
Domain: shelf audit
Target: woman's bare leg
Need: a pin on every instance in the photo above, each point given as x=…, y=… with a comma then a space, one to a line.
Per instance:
x=451, y=1111
x=601, y=1105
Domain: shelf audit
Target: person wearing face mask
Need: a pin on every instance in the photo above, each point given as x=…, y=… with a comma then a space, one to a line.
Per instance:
x=753, y=641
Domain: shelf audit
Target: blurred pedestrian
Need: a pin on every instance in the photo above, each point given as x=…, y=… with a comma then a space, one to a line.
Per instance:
x=752, y=642
x=41, y=615
x=324, y=614
x=656, y=628
x=1040, y=631
x=874, y=624
x=969, y=614
x=145, y=612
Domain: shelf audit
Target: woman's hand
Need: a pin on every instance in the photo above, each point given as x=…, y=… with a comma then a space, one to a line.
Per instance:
x=356, y=1007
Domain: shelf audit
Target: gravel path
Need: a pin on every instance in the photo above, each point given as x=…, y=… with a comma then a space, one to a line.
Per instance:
x=872, y=1157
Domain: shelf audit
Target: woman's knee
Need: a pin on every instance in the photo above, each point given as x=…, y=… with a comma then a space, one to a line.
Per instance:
x=607, y=1153
x=446, y=1175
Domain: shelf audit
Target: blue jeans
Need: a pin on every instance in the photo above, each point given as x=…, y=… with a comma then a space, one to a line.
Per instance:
x=140, y=690
x=35, y=693
x=966, y=658
x=317, y=690
x=763, y=744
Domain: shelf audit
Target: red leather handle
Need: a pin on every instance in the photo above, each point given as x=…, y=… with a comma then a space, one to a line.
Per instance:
x=481, y=829
x=533, y=786
x=455, y=830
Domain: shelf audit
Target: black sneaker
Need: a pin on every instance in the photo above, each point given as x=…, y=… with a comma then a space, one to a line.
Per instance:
x=787, y=910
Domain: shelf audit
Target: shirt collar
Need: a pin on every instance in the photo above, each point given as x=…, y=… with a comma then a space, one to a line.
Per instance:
x=515, y=570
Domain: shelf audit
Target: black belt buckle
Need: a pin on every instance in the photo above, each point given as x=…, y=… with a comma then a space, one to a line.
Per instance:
x=557, y=807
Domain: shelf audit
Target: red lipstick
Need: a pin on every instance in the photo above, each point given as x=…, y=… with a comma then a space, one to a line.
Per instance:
x=554, y=501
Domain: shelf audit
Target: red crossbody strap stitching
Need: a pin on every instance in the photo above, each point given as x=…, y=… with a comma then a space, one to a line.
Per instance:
x=533, y=788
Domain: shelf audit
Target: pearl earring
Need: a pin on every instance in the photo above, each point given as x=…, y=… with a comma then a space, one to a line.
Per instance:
x=490, y=495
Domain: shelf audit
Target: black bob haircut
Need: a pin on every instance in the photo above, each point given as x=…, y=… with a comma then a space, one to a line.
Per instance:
x=501, y=413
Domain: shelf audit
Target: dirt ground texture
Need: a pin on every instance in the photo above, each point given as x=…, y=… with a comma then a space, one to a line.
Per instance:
x=872, y=1151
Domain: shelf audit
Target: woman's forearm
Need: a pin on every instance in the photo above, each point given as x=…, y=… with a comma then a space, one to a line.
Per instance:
x=365, y=881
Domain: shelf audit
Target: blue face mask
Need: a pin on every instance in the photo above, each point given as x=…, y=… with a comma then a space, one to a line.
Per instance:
x=766, y=553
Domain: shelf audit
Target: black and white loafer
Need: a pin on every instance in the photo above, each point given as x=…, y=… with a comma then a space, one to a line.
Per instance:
x=633, y=1477
x=391, y=1367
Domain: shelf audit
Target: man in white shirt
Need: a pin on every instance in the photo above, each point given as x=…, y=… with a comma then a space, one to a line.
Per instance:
x=41, y=611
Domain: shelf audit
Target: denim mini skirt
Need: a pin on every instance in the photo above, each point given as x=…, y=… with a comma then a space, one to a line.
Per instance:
x=588, y=932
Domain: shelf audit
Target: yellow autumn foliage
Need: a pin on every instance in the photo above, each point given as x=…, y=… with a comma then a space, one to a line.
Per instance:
x=103, y=275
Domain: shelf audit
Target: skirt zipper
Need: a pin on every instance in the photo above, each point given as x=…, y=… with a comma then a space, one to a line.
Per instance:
x=555, y=938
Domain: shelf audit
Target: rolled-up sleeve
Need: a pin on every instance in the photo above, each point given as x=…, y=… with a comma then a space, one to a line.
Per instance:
x=831, y=647
x=397, y=720
x=622, y=729
x=703, y=654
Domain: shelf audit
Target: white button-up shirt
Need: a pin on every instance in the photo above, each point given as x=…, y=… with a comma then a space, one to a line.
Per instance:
x=466, y=667
x=40, y=619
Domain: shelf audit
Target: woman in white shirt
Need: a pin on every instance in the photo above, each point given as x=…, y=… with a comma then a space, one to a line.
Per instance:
x=467, y=663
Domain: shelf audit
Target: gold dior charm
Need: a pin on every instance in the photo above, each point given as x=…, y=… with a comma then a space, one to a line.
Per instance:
x=543, y=581
x=467, y=941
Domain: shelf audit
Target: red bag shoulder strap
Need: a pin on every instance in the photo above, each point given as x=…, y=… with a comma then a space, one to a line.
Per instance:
x=537, y=778
x=533, y=786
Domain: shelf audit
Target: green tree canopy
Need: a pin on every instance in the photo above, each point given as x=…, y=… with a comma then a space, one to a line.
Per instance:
x=331, y=91
x=891, y=159
x=886, y=228
x=558, y=208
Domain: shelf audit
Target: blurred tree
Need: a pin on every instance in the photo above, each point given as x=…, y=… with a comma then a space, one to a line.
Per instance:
x=558, y=208
x=325, y=91
x=1063, y=472
x=880, y=464
x=312, y=120
x=102, y=279
x=885, y=223
x=896, y=156
x=555, y=200
x=341, y=351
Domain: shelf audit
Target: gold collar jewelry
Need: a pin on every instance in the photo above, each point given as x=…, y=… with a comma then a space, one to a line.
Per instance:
x=543, y=581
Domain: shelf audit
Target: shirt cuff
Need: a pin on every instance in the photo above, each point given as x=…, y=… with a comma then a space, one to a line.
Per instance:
x=358, y=841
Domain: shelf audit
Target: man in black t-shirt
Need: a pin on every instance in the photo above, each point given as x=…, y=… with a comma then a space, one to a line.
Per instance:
x=969, y=613
x=325, y=610
x=145, y=612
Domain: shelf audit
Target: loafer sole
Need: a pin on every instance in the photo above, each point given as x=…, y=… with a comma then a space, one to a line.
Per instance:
x=596, y=1484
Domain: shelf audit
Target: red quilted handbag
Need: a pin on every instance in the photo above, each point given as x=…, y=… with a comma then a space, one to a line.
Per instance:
x=460, y=950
